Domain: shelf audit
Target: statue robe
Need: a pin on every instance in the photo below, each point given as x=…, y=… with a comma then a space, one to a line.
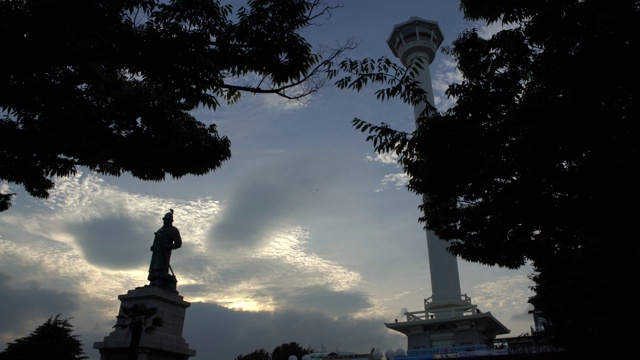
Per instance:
x=166, y=239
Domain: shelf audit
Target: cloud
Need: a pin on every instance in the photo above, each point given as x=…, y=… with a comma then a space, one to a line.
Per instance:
x=257, y=207
x=102, y=236
x=264, y=201
x=446, y=75
x=523, y=315
x=506, y=298
x=266, y=277
x=295, y=284
x=114, y=242
x=504, y=291
x=22, y=306
x=331, y=302
x=400, y=180
x=385, y=158
x=212, y=329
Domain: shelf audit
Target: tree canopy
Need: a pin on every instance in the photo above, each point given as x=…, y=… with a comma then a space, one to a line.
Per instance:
x=533, y=164
x=110, y=84
x=52, y=340
x=259, y=354
x=280, y=352
x=284, y=351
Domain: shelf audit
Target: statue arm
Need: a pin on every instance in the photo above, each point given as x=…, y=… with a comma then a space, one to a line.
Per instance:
x=177, y=239
x=153, y=246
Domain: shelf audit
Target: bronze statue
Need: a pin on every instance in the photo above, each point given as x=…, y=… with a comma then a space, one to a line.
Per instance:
x=167, y=238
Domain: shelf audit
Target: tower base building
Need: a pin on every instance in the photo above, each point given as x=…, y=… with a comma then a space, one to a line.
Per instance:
x=450, y=329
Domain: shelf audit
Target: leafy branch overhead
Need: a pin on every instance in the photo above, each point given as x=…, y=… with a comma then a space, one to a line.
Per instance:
x=392, y=81
x=110, y=85
x=398, y=82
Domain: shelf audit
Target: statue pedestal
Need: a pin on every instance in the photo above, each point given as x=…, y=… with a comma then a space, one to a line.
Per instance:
x=166, y=342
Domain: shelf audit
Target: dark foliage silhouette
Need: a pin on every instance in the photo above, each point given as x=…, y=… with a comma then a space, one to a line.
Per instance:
x=53, y=340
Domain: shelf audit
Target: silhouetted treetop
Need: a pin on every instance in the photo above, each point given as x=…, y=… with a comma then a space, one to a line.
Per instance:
x=110, y=84
x=52, y=340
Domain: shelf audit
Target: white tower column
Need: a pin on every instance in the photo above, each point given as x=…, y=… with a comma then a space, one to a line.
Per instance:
x=449, y=320
x=410, y=41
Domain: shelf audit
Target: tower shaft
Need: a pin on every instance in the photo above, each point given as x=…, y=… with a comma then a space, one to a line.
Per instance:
x=414, y=41
x=449, y=319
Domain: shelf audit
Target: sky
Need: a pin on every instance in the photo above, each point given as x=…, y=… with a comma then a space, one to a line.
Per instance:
x=305, y=235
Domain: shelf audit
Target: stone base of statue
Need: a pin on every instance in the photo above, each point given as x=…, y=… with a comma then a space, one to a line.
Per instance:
x=166, y=342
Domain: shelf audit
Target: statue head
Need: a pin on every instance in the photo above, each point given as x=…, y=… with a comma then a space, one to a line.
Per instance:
x=168, y=216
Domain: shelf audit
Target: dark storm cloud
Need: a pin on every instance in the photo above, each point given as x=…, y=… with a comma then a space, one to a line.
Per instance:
x=225, y=334
x=265, y=200
x=29, y=302
x=325, y=300
x=114, y=242
x=255, y=209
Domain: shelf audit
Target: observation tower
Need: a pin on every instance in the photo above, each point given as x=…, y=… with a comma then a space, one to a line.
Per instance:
x=449, y=319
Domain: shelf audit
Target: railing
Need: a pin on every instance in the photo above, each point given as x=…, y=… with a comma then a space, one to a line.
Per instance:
x=455, y=307
x=475, y=351
x=463, y=299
